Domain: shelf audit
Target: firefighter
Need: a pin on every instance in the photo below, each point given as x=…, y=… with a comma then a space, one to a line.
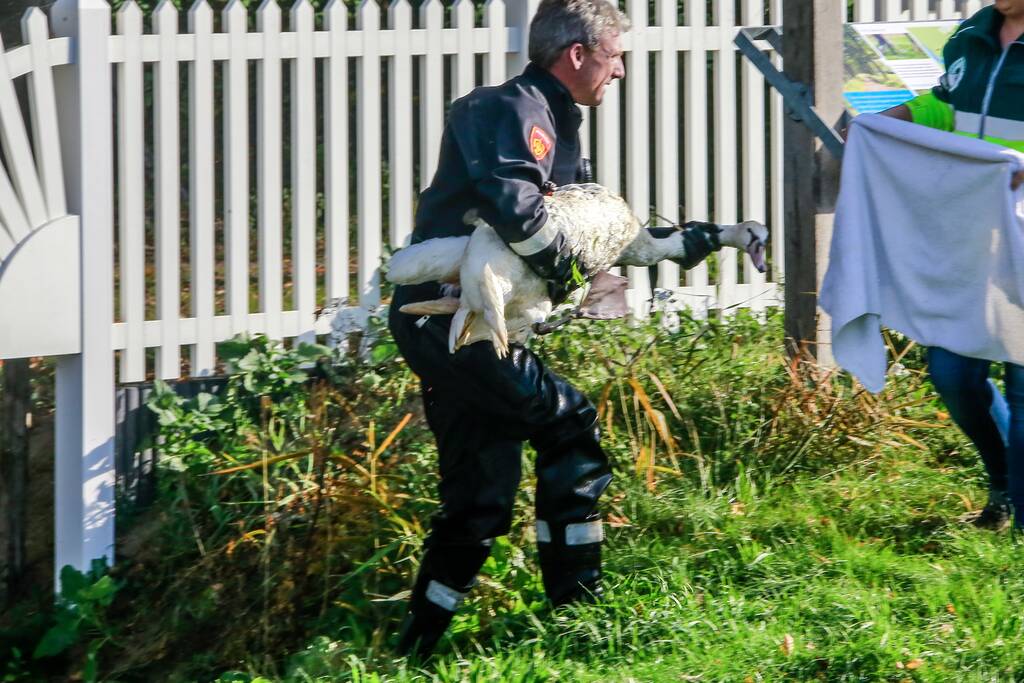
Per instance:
x=502, y=148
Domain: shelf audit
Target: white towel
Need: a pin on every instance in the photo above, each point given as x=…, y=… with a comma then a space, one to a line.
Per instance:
x=928, y=241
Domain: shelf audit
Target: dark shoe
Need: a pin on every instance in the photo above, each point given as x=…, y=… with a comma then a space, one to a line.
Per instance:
x=996, y=514
x=421, y=632
x=571, y=573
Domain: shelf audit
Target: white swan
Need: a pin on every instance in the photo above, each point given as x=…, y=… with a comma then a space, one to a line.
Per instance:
x=502, y=297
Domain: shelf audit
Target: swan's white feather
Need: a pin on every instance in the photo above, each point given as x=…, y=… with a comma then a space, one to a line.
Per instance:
x=501, y=296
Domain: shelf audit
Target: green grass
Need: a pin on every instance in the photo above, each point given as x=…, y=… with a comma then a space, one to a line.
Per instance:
x=869, y=572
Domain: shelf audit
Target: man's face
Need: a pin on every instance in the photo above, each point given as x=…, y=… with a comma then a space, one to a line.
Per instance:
x=598, y=69
x=1011, y=8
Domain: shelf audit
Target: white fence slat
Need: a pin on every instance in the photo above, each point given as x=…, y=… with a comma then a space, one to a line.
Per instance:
x=464, y=62
x=971, y=6
x=695, y=127
x=431, y=90
x=666, y=129
x=131, y=194
x=20, y=162
x=268, y=124
x=235, y=84
x=12, y=216
x=753, y=126
x=725, y=148
x=607, y=163
x=864, y=11
x=336, y=153
x=638, y=145
x=201, y=238
x=495, y=60
x=585, y=131
x=43, y=104
x=608, y=155
x=303, y=109
x=919, y=10
x=400, y=130
x=892, y=10
x=167, y=190
x=520, y=13
x=946, y=9
x=368, y=115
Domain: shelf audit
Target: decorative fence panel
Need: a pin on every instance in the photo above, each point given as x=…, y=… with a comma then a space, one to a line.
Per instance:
x=252, y=169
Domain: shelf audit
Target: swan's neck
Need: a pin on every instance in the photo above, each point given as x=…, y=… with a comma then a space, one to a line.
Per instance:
x=648, y=250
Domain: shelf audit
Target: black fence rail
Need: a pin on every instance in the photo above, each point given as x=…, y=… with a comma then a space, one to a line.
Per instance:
x=136, y=446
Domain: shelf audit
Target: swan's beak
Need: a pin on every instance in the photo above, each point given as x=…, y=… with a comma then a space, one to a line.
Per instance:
x=756, y=250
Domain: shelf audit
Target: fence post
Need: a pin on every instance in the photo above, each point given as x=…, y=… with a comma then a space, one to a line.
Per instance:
x=812, y=52
x=84, y=468
x=519, y=13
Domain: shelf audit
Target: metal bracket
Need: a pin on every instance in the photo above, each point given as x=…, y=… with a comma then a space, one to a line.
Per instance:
x=797, y=97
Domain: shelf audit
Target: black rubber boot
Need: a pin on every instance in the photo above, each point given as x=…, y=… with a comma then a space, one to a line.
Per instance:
x=421, y=631
x=431, y=609
x=571, y=571
x=574, y=579
x=446, y=575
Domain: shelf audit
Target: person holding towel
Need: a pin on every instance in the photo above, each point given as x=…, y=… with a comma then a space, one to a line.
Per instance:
x=982, y=95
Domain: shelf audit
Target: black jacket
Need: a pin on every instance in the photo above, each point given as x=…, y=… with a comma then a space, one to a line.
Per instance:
x=500, y=146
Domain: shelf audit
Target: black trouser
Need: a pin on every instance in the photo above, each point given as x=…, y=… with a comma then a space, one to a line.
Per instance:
x=480, y=409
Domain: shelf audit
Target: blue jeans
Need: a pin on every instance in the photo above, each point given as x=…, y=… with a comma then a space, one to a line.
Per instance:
x=995, y=424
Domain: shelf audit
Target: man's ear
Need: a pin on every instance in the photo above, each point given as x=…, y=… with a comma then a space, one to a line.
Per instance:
x=576, y=55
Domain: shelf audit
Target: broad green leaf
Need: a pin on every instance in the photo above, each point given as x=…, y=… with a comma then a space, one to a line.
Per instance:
x=382, y=353
x=249, y=362
x=234, y=348
x=60, y=637
x=204, y=399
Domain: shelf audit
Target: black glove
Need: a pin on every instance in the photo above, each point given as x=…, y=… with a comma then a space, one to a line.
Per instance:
x=570, y=275
x=699, y=240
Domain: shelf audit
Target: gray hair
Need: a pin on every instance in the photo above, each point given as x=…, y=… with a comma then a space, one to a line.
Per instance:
x=561, y=23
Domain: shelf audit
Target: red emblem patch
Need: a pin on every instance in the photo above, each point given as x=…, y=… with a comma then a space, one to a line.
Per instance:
x=540, y=143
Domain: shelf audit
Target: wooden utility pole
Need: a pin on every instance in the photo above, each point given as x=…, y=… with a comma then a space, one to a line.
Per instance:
x=15, y=402
x=812, y=53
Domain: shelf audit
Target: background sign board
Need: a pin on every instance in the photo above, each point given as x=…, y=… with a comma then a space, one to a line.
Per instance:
x=888, y=63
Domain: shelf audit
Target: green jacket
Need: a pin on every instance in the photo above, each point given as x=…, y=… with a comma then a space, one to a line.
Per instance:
x=982, y=92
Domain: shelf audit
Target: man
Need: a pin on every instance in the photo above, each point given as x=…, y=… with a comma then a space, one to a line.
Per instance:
x=502, y=148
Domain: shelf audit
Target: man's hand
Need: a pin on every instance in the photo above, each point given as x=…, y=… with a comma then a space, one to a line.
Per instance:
x=1017, y=180
x=569, y=276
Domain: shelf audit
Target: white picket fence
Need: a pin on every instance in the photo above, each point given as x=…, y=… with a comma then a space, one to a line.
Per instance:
x=99, y=168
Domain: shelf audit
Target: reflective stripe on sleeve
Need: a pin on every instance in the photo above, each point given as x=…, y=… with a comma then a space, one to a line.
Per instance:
x=538, y=241
x=543, y=532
